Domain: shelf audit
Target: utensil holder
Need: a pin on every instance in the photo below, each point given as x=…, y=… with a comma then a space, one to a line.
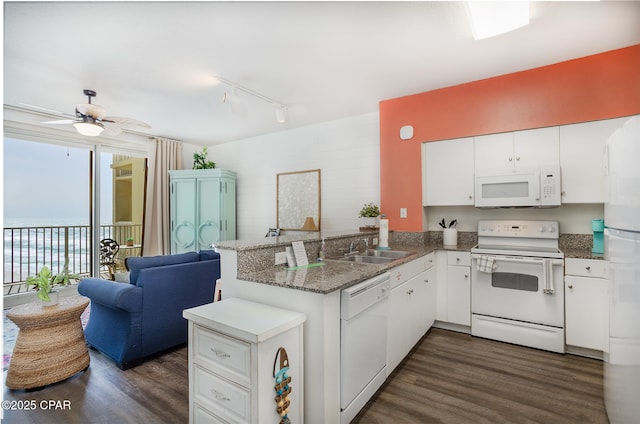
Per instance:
x=450, y=237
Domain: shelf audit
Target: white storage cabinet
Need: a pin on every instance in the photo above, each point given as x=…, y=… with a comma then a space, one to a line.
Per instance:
x=448, y=172
x=411, y=307
x=232, y=351
x=586, y=294
x=582, y=163
x=526, y=148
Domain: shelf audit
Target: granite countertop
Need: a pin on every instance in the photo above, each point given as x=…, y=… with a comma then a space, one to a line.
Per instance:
x=335, y=275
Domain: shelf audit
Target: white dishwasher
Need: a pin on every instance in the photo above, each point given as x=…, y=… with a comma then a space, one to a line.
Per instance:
x=363, y=343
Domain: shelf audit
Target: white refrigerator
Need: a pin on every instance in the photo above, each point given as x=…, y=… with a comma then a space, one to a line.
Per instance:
x=622, y=250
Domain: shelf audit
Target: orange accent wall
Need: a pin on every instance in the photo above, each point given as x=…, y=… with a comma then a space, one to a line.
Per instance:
x=601, y=86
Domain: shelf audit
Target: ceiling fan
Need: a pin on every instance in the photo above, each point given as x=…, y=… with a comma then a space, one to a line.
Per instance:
x=91, y=120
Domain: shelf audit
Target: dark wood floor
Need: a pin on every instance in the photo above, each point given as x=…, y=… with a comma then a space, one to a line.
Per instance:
x=448, y=378
x=155, y=392
x=455, y=378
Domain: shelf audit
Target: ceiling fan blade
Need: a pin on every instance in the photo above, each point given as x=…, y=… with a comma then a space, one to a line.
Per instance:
x=44, y=109
x=60, y=122
x=126, y=122
x=89, y=109
x=111, y=128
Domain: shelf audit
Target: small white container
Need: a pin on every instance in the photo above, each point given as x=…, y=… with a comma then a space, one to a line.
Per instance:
x=450, y=237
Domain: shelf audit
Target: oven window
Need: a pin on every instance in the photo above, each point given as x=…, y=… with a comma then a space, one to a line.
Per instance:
x=511, y=280
x=505, y=190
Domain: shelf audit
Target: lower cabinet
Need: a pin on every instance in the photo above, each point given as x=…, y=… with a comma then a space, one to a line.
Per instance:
x=411, y=308
x=454, y=288
x=235, y=346
x=586, y=294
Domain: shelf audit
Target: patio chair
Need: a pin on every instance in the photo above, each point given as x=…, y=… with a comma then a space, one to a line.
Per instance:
x=108, y=250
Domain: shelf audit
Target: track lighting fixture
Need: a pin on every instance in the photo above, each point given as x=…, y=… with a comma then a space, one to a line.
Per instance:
x=234, y=101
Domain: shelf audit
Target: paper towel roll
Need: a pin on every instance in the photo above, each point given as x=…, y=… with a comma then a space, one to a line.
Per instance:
x=384, y=234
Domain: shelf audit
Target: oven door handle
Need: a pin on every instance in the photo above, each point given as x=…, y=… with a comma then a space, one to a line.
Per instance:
x=535, y=261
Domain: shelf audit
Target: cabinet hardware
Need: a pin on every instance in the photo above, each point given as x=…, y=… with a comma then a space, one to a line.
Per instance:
x=410, y=291
x=457, y=259
x=466, y=275
x=588, y=268
x=426, y=281
x=510, y=159
x=220, y=353
x=517, y=158
x=570, y=286
x=219, y=395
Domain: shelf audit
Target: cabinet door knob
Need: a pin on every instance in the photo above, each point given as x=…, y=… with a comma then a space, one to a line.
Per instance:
x=457, y=259
x=570, y=286
x=426, y=281
x=588, y=268
x=517, y=158
x=466, y=275
x=510, y=159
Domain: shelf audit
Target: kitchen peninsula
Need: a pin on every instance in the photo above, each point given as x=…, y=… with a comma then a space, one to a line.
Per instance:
x=248, y=272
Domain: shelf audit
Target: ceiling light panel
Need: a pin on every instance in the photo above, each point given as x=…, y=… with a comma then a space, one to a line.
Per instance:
x=491, y=18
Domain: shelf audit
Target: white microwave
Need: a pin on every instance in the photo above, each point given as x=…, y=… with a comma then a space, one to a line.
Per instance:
x=518, y=187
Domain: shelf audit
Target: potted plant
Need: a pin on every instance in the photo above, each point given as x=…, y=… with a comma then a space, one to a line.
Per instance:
x=200, y=160
x=44, y=282
x=370, y=213
x=129, y=241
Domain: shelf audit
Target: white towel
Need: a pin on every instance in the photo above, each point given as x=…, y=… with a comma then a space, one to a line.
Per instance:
x=547, y=276
x=486, y=264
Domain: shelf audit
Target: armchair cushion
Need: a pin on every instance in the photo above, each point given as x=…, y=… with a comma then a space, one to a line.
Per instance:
x=136, y=263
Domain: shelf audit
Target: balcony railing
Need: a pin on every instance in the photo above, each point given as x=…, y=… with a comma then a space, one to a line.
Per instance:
x=27, y=249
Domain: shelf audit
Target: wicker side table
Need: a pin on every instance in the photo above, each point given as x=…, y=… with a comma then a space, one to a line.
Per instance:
x=50, y=345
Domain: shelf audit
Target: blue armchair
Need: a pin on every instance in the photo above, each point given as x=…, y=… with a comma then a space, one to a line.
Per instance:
x=129, y=322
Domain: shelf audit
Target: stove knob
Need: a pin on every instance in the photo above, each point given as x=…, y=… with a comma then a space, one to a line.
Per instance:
x=542, y=230
x=552, y=230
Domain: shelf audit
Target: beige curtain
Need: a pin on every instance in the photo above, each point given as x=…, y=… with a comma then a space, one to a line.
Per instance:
x=164, y=155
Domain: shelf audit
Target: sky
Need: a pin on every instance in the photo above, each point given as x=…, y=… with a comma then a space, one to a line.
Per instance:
x=46, y=184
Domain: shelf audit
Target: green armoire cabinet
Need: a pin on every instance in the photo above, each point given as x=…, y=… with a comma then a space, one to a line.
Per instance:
x=203, y=208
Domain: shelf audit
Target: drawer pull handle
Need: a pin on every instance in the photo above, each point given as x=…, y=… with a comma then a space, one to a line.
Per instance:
x=570, y=286
x=220, y=354
x=219, y=395
x=426, y=281
x=588, y=268
x=410, y=291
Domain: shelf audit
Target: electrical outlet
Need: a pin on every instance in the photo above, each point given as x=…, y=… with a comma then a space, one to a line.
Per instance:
x=281, y=258
x=403, y=212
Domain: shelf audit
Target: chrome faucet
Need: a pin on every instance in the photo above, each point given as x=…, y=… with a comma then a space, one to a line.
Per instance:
x=354, y=243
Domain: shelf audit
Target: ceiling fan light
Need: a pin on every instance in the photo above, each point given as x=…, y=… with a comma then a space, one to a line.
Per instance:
x=88, y=129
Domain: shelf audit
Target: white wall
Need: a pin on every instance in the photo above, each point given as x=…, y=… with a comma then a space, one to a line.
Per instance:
x=347, y=152
x=573, y=219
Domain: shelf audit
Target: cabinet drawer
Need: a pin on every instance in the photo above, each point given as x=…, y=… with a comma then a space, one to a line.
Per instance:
x=230, y=401
x=429, y=260
x=203, y=416
x=586, y=267
x=459, y=258
x=227, y=356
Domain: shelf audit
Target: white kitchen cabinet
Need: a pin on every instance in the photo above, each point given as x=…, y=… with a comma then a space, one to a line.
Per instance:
x=411, y=309
x=448, y=172
x=535, y=147
x=203, y=208
x=233, y=348
x=582, y=163
x=586, y=293
x=459, y=288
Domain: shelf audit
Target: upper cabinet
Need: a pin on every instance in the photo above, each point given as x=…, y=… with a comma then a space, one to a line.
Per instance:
x=582, y=159
x=534, y=147
x=203, y=208
x=447, y=172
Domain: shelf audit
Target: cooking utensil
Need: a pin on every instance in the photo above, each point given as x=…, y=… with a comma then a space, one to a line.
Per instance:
x=442, y=224
x=452, y=223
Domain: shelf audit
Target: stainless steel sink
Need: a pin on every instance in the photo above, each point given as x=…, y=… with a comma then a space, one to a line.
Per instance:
x=366, y=259
x=393, y=254
x=373, y=256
